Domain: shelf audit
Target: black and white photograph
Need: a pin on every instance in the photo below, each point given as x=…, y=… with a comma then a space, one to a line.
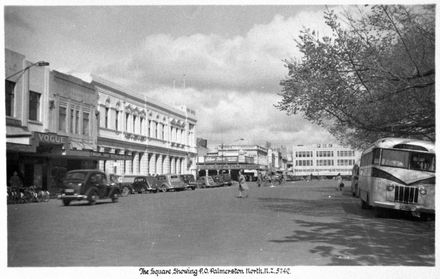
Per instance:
x=166, y=139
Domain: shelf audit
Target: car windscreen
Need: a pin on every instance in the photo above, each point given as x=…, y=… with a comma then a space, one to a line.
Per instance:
x=76, y=176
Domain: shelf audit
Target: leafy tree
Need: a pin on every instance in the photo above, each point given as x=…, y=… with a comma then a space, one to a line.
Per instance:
x=373, y=77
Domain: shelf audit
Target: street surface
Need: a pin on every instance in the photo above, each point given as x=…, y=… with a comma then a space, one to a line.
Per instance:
x=297, y=223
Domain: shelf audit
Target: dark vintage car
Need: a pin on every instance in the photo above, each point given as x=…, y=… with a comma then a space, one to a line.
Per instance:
x=168, y=182
x=218, y=179
x=227, y=179
x=126, y=184
x=190, y=182
x=145, y=184
x=207, y=182
x=89, y=185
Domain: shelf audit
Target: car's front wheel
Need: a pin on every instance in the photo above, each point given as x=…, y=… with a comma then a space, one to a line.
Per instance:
x=163, y=188
x=66, y=202
x=115, y=197
x=93, y=196
x=125, y=191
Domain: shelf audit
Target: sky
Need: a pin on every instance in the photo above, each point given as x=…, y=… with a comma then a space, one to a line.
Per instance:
x=225, y=62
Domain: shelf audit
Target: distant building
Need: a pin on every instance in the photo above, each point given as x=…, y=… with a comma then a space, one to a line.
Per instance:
x=323, y=160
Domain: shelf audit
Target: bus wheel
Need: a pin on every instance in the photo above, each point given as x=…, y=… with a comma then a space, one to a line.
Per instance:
x=380, y=212
x=364, y=204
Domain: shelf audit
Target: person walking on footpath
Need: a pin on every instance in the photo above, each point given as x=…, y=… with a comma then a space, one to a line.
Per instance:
x=339, y=182
x=242, y=186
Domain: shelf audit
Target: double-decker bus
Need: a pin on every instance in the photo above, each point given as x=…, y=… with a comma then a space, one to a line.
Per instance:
x=398, y=174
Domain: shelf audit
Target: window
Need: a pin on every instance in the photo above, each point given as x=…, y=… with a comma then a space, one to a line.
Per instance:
x=34, y=105
x=140, y=126
x=86, y=123
x=106, y=118
x=10, y=97
x=116, y=120
x=367, y=159
x=324, y=162
x=77, y=122
x=62, y=119
x=394, y=158
x=163, y=131
x=324, y=153
x=134, y=123
x=72, y=120
x=127, y=115
x=149, y=128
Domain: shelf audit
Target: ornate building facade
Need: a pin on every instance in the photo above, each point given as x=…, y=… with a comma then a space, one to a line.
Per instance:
x=157, y=138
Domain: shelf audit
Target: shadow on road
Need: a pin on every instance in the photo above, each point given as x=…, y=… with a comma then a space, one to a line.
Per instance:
x=348, y=235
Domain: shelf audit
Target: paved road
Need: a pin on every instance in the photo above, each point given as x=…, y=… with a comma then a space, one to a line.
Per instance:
x=302, y=223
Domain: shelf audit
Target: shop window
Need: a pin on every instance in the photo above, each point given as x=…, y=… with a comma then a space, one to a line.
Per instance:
x=34, y=106
x=10, y=97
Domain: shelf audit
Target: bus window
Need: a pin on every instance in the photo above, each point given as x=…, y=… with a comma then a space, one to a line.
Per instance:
x=376, y=156
x=422, y=161
x=395, y=158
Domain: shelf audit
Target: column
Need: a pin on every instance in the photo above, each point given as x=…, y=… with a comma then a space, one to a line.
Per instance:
x=159, y=166
x=185, y=165
x=144, y=163
x=178, y=166
x=167, y=164
x=121, y=163
x=135, y=162
x=152, y=164
x=173, y=165
x=101, y=164
x=109, y=163
x=128, y=163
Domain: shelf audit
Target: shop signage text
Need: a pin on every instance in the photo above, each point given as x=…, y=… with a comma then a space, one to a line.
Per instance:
x=51, y=138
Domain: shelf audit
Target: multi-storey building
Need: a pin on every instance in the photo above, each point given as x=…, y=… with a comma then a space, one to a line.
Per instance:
x=323, y=160
x=232, y=158
x=56, y=122
x=50, y=123
x=156, y=137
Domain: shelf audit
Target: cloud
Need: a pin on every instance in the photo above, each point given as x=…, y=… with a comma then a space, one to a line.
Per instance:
x=253, y=61
x=230, y=82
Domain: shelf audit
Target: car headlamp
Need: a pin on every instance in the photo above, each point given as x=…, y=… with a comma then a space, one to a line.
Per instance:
x=390, y=187
x=422, y=191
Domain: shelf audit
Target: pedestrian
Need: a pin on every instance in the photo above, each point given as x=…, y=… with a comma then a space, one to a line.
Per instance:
x=339, y=182
x=271, y=177
x=243, y=189
x=259, y=178
x=15, y=181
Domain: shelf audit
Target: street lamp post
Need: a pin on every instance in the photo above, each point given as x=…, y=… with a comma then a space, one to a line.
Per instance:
x=38, y=64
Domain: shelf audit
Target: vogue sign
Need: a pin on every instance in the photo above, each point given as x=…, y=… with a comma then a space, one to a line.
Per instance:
x=50, y=138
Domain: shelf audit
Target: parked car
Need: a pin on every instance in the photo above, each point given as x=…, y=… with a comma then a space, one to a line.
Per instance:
x=227, y=179
x=218, y=179
x=190, y=182
x=144, y=184
x=169, y=182
x=126, y=185
x=208, y=181
x=89, y=185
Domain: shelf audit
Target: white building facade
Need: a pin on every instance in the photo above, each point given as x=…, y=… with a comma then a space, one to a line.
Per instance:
x=157, y=137
x=323, y=160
